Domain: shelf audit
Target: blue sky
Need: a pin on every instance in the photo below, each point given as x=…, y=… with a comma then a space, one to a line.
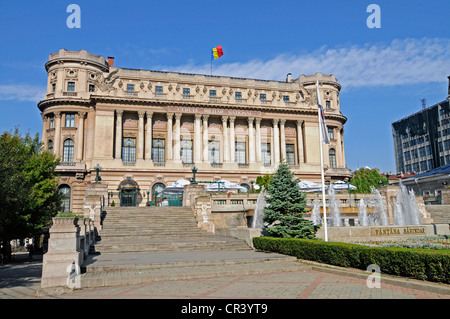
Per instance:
x=384, y=72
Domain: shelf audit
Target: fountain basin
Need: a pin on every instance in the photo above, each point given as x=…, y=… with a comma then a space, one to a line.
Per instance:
x=365, y=233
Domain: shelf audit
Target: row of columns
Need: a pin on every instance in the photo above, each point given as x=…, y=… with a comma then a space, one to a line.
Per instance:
x=200, y=143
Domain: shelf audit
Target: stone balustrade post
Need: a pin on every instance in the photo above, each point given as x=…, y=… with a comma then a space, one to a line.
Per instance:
x=64, y=253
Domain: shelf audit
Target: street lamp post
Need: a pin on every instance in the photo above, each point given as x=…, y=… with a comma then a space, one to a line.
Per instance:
x=194, y=171
x=98, y=168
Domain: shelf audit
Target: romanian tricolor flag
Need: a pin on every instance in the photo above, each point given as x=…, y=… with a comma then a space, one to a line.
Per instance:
x=216, y=52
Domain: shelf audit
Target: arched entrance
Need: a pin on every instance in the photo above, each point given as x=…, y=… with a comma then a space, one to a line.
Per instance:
x=157, y=192
x=128, y=193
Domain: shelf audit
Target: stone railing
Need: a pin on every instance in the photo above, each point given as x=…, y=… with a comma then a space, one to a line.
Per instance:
x=70, y=241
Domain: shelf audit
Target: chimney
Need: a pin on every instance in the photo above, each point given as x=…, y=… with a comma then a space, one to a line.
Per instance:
x=111, y=61
x=289, y=78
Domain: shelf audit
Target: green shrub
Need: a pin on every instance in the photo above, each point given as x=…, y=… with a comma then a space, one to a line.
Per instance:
x=421, y=264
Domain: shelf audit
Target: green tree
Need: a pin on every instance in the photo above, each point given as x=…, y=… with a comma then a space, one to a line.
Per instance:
x=29, y=187
x=364, y=178
x=263, y=180
x=286, y=207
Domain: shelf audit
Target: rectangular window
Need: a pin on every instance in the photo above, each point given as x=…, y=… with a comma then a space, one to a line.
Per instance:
x=286, y=98
x=186, y=91
x=330, y=133
x=328, y=104
x=265, y=153
x=186, y=151
x=91, y=88
x=423, y=166
x=53, y=87
x=158, y=90
x=129, y=150
x=238, y=96
x=158, y=150
x=212, y=93
x=407, y=155
x=290, y=154
x=52, y=122
x=262, y=98
x=422, y=151
x=240, y=152
x=130, y=87
x=70, y=120
x=71, y=86
x=416, y=167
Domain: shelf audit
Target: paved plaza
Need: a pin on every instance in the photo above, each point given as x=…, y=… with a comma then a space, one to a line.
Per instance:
x=21, y=280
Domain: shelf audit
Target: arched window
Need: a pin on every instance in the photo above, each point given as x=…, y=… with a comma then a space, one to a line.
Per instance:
x=246, y=187
x=50, y=146
x=68, y=151
x=64, y=190
x=332, y=154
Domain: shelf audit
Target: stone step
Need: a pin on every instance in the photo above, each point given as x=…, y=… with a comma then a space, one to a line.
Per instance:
x=119, y=275
x=171, y=247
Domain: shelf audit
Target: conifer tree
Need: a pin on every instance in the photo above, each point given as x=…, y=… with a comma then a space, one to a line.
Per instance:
x=287, y=204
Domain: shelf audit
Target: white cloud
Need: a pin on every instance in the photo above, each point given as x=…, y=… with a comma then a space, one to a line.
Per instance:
x=402, y=61
x=22, y=92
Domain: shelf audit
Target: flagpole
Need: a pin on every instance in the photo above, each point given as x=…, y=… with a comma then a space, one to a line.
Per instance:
x=321, y=170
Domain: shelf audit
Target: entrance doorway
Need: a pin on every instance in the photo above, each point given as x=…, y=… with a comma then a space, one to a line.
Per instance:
x=128, y=193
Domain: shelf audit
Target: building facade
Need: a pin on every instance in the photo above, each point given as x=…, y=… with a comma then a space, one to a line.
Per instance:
x=149, y=128
x=422, y=140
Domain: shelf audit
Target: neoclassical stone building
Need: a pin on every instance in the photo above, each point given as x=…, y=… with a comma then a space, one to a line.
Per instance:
x=149, y=128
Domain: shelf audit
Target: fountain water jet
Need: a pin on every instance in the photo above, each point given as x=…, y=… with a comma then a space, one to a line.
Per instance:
x=363, y=217
x=334, y=208
x=315, y=215
x=257, y=221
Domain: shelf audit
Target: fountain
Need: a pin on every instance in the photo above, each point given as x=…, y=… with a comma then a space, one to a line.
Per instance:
x=257, y=221
x=334, y=208
x=363, y=217
x=408, y=220
x=315, y=215
x=406, y=210
x=380, y=210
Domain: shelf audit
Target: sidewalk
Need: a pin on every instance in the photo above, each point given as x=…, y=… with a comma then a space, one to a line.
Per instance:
x=21, y=280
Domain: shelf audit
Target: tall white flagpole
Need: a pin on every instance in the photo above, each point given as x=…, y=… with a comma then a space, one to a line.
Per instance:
x=321, y=164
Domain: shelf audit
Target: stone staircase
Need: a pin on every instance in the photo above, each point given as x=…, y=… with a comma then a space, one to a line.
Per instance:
x=149, y=244
x=158, y=229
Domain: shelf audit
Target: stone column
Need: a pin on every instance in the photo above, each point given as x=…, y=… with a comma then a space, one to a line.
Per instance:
x=283, y=140
x=258, y=139
x=118, y=154
x=226, y=156
x=276, y=141
x=176, y=149
x=343, y=150
x=149, y=139
x=300, y=141
x=338, y=148
x=205, y=138
x=169, y=136
x=251, y=140
x=197, y=137
x=232, y=140
x=80, y=138
x=57, y=141
x=140, y=147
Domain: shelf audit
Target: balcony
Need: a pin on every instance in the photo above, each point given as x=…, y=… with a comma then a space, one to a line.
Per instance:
x=73, y=94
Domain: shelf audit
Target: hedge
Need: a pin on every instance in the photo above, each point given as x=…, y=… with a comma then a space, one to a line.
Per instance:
x=415, y=263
